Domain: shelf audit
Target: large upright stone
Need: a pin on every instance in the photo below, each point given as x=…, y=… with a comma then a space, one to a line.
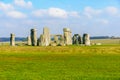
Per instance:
x=62, y=40
x=77, y=40
x=28, y=40
x=56, y=40
x=12, y=39
x=46, y=36
x=44, y=39
x=67, y=36
x=41, y=41
x=33, y=37
x=86, y=39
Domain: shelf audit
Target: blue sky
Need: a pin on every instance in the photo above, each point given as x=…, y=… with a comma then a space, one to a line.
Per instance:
x=95, y=17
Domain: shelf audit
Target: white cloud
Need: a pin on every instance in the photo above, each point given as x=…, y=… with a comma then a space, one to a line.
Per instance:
x=74, y=14
x=16, y=14
x=23, y=4
x=39, y=13
x=6, y=7
x=57, y=12
x=51, y=12
x=111, y=10
x=90, y=12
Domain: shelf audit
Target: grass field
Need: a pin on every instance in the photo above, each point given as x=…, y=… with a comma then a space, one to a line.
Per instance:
x=106, y=41
x=60, y=63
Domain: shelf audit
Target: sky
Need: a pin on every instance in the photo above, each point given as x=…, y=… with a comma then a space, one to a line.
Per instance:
x=95, y=17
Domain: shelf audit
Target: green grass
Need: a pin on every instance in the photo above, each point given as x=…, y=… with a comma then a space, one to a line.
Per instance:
x=60, y=63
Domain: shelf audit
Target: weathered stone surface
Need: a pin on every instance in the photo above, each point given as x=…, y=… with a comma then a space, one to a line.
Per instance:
x=56, y=40
x=12, y=39
x=44, y=39
x=28, y=40
x=61, y=41
x=46, y=34
x=41, y=41
x=53, y=44
x=38, y=42
x=67, y=36
x=86, y=39
x=77, y=40
x=33, y=37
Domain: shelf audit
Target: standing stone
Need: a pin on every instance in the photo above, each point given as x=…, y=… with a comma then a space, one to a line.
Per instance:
x=74, y=39
x=46, y=36
x=44, y=39
x=33, y=37
x=38, y=42
x=12, y=39
x=80, y=39
x=41, y=40
x=28, y=40
x=67, y=36
x=77, y=40
x=56, y=40
x=86, y=39
x=62, y=40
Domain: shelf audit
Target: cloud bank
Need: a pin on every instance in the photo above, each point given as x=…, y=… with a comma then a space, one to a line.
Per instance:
x=23, y=13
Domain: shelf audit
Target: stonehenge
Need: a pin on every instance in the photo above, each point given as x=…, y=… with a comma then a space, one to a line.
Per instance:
x=47, y=39
x=12, y=39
